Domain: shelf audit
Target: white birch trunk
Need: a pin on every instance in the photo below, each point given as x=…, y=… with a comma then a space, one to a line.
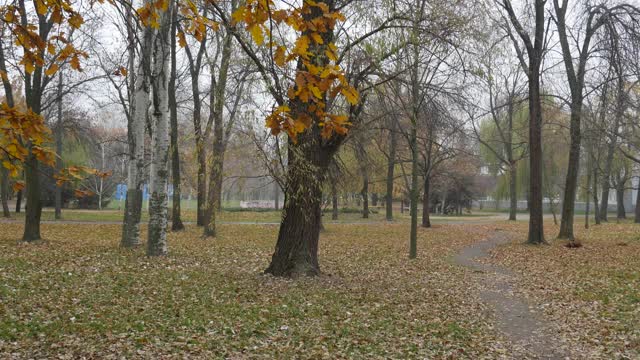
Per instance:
x=136, y=129
x=158, y=200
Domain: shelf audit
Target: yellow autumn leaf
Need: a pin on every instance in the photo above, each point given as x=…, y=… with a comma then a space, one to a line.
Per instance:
x=317, y=38
x=51, y=70
x=316, y=92
x=279, y=56
x=76, y=20
x=350, y=94
x=302, y=45
x=256, y=34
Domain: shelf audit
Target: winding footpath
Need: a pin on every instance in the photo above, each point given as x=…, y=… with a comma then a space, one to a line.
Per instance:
x=512, y=314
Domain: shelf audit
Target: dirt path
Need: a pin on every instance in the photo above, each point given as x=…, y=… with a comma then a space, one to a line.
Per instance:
x=513, y=315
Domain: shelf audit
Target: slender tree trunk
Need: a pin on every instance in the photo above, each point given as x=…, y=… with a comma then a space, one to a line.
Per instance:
x=334, y=201
x=4, y=191
x=606, y=176
x=58, y=140
x=215, y=180
x=176, y=213
x=413, y=239
x=637, y=213
x=157, y=239
x=513, y=192
x=136, y=138
x=621, y=211
x=588, y=202
x=391, y=164
x=365, y=196
x=276, y=195
x=426, y=221
x=596, y=210
x=536, y=231
x=18, y=201
x=571, y=183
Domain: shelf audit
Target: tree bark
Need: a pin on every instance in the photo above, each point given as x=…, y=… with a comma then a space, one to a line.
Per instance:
x=426, y=220
x=596, y=210
x=33, y=210
x=157, y=236
x=413, y=237
x=513, y=192
x=4, y=191
x=637, y=213
x=136, y=138
x=573, y=169
x=176, y=213
x=391, y=164
x=58, y=141
x=215, y=179
x=621, y=211
x=296, y=250
x=365, y=196
x=18, y=201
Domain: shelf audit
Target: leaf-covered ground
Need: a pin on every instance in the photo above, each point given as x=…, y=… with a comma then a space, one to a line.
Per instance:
x=79, y=295
x=591, y=294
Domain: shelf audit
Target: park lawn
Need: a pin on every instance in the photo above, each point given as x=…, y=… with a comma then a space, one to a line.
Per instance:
x=78, y=295
x=592, y=293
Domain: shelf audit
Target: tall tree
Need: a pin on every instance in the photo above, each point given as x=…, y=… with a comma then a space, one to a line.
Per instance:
x=534, y=51
x=42, y=54
x=215, y=181
x=158, y=199
x=176, y=216
x=195, y=59
x=597, y=16
x=136, y=135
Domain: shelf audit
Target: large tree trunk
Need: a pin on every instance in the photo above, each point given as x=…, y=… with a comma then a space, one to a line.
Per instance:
x=176, y=213
x=215, y=179
x=34, y=206
x=158, y=199
x=136, y=137
x=296, y=250
x=426, y=220
x=513, y=192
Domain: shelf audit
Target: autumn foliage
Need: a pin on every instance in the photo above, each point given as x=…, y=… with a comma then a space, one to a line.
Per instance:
x=318, y=80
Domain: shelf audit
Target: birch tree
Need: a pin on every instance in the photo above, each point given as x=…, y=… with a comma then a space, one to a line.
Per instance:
x=158, y=198
x=136, y=137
